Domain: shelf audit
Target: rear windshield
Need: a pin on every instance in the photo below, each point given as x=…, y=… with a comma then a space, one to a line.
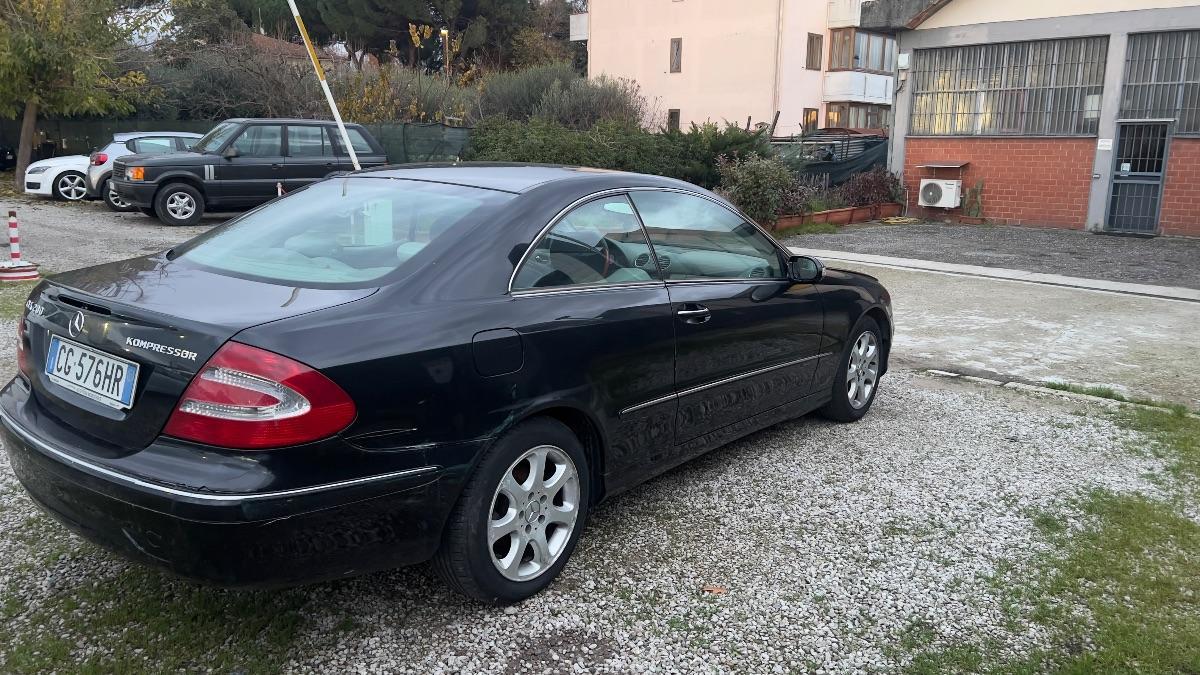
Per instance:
x=342, y=232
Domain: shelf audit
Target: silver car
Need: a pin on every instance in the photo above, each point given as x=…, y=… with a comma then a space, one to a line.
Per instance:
x=130, y=143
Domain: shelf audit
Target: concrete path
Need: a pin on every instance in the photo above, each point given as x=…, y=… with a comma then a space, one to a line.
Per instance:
x=1021, y=329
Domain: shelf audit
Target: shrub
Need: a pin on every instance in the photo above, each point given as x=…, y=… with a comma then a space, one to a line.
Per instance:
x=610, y=144
x=395, y=93
x=516, y=94
x=870, y=187
x=701, y=145
x=581, y=103
x=756, y=184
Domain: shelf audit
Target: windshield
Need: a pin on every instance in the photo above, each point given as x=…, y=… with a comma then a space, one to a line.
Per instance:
x=216, y=137
x=342, y=232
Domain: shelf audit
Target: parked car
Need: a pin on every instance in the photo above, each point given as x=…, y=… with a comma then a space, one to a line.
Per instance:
x=240, y=164
x=455, y=363
x=59, y=177
x=129, y=143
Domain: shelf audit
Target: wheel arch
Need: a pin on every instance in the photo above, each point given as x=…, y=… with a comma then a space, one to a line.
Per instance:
x=188, y=179
x=885, y=325
x=587, y=430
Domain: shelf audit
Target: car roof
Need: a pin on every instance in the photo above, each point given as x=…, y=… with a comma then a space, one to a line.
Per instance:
x=515, y=178
x=285, y=120
x=130, y=135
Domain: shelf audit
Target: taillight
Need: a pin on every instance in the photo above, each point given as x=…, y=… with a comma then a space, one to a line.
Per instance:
x=99, y=158
x=247, y=398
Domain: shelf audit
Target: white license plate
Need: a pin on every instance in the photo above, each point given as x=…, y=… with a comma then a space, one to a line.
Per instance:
x=94, y=374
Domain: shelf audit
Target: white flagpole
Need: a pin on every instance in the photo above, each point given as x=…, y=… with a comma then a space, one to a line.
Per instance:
x=312, y=54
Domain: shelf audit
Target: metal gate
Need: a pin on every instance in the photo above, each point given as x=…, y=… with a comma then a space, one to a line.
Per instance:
x=1135, y=198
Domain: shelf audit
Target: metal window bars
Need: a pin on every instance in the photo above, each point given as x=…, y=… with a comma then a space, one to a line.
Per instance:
x=1041, y=88
x=1162, y=79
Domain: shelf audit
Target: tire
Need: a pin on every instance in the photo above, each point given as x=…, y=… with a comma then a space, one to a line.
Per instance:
x=70, y=186
x=850, y=404
x=112, y=200
x=178, y=204
x=470, y=563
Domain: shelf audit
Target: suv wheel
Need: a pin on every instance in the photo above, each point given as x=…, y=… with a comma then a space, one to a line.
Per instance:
x=113, y=200
x=519, y=516
x=179, y=204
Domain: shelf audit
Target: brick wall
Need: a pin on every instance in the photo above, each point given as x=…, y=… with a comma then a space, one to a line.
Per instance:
x=1027, y=181
x=1181, y=194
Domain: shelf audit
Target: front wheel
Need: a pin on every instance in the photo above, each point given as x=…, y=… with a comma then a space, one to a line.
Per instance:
x=113, y=200
x=70, y=186
x=179, y=204
x=857, y=379
x=519, y=516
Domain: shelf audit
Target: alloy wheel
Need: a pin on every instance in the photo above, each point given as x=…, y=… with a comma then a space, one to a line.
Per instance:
x=863, y=370
x=72, y=187
x=115, y=199
x=534, y=512
x=181, y=206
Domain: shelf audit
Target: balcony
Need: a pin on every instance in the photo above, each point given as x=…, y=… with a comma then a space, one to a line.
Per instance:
x=894, y=15
x=843, y=13
x=858, y=87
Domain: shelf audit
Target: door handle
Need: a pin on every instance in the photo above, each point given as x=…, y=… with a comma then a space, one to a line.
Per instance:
x=276, y=166
x=693, y=313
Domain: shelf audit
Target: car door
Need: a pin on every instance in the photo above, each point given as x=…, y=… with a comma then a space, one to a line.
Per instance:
x=310, y=155
x=250, y=176
x=747, y=337
x=596, y=324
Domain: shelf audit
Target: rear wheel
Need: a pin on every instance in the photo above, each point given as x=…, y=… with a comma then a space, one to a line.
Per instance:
x=519, y=516
x=857, y=380
x=113, y=200
x=70, y=186
x=179, y=204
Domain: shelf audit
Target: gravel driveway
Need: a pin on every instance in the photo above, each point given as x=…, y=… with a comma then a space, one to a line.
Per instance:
x=1163, y=261
x=821, y=546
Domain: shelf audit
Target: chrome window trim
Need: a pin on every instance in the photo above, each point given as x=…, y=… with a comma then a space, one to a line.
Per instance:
x=779, y=249
x=717, y=383
x=210, y=497
x=584, y=288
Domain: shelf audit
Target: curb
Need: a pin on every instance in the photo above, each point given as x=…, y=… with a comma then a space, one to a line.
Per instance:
x=1005, y=274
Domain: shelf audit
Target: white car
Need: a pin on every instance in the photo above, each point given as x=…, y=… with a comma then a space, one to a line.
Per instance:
x=100, y=162
x=58, y=177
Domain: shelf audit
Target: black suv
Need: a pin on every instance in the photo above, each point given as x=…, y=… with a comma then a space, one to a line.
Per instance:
x=240, y=164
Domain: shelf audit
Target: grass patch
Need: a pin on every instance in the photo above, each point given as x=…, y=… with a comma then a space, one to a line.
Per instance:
x=807, y=228
x=1121, y=595
x=12, y=297
x=1112, y=394
x=143, y=621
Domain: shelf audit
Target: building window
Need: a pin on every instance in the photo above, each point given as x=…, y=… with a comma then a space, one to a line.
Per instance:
x=812, y=119
x=673, y=119
x=857, y=115
x=676, y=55
x=1043, y=88
x=1162, y=79
x=816, y=49
x=858, y=50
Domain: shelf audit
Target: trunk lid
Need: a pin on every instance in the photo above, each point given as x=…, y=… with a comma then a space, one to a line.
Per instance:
x=166, y=317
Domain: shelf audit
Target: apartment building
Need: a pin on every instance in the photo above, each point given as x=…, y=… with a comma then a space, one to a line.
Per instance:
x=718, y=60
x=1072, y=113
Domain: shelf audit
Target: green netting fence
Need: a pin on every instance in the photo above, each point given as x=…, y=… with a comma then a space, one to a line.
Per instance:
x=403, y=142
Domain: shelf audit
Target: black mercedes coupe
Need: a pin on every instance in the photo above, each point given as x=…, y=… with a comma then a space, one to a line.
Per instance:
x=452, y=363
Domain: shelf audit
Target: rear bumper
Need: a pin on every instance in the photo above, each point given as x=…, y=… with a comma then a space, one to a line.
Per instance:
x=275, y=538
x=94, y=179
x=138, y=194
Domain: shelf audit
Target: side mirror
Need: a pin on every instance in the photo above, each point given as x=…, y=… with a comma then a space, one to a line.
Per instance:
x=805, y=269
x=230, y=152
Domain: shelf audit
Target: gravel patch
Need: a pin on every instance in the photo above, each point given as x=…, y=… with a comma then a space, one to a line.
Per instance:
x=1164, y=261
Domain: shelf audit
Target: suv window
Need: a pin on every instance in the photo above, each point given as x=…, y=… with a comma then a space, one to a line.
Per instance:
x=305, y=141
x=146, y=146
x=260, y=140
x=600, y=242
x=695, y=238
x=361, y=145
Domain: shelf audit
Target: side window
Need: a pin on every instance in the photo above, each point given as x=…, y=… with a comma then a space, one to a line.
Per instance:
x=308, y=142
x=152, y=146
x=600, y=242
x=260, y=141
x=361, y=146
x=695, y=238
x=185, y=143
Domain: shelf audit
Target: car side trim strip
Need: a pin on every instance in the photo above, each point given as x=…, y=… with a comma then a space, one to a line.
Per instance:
x=211, y=497
x=722, y=381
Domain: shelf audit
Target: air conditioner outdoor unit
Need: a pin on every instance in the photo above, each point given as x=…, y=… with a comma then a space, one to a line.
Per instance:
x=944, y=194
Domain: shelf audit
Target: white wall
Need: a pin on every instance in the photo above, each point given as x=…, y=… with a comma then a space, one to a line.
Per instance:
x=968, y=12
x=799, y=87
